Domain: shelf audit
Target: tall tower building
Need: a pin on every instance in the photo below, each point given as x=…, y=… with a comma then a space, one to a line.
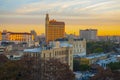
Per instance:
x=54, y=29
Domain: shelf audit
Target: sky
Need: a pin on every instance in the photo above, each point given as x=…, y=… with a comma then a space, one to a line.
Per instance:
x=26, y=15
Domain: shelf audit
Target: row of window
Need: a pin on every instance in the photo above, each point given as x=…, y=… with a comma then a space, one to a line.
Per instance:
x=45, y=55
x=78, y=45
x=57, y=53
x=33, y=55
x=77, y=50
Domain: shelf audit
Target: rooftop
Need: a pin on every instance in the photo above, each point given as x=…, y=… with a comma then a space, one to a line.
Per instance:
x=56, y=23
x=52, y=46
x=64, y=44
x=33, y=50
x=95, y=55
x=16, y=33
x=62, y=39
x=108, y=60
x=66, y=39
x=89, y=30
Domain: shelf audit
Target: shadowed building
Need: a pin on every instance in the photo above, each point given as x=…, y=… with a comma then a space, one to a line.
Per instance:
x=54, y=29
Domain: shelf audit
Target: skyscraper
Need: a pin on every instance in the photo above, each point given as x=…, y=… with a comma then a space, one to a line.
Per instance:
x=54, y=29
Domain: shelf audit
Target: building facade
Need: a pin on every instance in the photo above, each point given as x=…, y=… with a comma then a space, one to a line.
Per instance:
x=92, y=59
x=79, y=46
x=89, y=34
x=104, y=62
x=17, y=37
x=109, y=38
x=54, y=29
x=63, y=53
x=2, y=50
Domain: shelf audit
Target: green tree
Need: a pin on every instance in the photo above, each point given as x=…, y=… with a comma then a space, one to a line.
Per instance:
x=76, y=65
x=98, y=50
x=96, y=47
x=84, y=67
x=114, y=66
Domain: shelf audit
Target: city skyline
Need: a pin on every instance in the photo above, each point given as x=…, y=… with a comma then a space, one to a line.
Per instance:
x=78, y=14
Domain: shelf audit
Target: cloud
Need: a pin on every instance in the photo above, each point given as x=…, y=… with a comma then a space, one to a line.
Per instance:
x=99, y=4
x=44, y=6
x=61, y=9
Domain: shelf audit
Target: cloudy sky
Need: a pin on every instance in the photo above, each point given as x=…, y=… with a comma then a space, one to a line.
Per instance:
x=24, y=15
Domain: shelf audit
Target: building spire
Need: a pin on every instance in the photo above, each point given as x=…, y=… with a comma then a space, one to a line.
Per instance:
x=46, y=25
x=47, y=17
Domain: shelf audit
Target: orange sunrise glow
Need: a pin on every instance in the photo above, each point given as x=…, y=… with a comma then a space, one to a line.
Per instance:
x=23, y=16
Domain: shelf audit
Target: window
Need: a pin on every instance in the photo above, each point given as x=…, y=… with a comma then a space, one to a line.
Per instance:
x=44, y=55
x=50, y=55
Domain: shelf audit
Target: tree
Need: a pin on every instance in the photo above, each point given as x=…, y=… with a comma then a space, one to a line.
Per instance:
x=55, y=70
x=103, y=74
x=30, y=68
x=3, y=59
x=96, y=47
x=84, y=67
x=76, y=65
x=80, y=67
x=98, y=50
x=114, y=66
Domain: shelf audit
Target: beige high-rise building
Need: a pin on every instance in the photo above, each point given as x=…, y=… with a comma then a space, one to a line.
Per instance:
x=54, y=29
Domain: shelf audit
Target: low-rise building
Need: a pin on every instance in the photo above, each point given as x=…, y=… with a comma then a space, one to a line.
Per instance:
x=104, y=62
x=2, y=50
x=91, y=59
x=117, y=55
x=109, y=38
x=60, y=51
x=14, y=55
x=17, y=37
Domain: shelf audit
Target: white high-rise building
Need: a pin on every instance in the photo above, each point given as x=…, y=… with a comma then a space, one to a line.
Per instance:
x=89, y=34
